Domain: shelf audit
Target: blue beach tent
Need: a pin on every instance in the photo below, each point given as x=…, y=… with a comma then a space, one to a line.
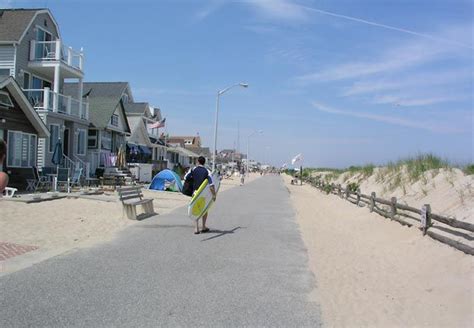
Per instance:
x=166, y=179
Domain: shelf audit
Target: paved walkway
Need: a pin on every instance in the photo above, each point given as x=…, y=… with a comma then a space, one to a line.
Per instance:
x=251, y=270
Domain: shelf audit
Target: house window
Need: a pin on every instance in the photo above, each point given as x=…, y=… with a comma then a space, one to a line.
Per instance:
x=4, y=72
x=81, y=141
x=92, y=139
x=5, y=100
x=21, y=149
x=106, y=140
x=53, y=136
x=114, y=120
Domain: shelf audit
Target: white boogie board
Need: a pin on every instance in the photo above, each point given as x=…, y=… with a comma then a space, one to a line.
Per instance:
x=202, y=199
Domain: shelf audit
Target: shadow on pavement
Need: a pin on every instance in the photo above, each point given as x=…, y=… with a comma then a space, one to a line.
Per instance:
x=221, y=233
x=165, y=226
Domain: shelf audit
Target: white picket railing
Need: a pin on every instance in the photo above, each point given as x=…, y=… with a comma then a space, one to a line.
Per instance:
x=85, y=166
x=56, y=51
x=45, y=99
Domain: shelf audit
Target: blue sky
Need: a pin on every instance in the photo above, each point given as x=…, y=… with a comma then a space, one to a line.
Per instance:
x=343, y=82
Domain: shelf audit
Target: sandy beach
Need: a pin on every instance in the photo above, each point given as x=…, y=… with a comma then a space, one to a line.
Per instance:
x=374, y=272
x=61, y=225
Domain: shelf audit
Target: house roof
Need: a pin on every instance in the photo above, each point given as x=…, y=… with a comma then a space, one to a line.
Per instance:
x=136, y=108
x=15, y=22
x=103, y=99
x=196, y=140
x=139, y=133
x=16, y=92
x=201, y=151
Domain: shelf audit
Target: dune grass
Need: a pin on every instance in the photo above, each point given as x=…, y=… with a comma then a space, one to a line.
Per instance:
x=469, y=169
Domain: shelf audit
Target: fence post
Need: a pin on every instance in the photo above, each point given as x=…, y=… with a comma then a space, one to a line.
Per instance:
x=393, y=208
x=358, y=196
x=347, y=193
x=339, y=190
x=425, y=217
x=372, y=201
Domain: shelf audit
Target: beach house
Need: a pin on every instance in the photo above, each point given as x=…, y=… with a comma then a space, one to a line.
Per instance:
x=20, y=127
x=33, y=52
x=108, y=121
x=145, y=122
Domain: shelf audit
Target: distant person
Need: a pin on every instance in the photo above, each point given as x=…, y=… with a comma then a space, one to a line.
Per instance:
x=242, y=176
x=3, y=175
x=199, y=174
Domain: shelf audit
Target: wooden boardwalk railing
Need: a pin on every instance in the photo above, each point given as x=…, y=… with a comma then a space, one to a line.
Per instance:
x=399, y=212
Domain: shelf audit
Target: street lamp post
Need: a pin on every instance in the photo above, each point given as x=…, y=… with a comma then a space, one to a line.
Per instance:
x=219, y=93
x=248, y=142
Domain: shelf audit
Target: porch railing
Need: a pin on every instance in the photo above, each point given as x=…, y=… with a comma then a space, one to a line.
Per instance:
x=85, y=166
x=45, y=99
x=47, y=51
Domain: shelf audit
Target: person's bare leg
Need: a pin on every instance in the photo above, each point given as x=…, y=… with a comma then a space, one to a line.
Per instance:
x=204, y=219
x=197, y=227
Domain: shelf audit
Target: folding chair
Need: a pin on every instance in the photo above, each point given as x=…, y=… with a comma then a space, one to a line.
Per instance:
x=64, y=179
x=38, y=182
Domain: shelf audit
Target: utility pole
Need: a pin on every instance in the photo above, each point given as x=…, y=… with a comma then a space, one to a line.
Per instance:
x=238, y=136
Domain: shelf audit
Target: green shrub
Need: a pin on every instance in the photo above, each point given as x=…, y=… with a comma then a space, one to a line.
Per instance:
x=469, y=169
x=327, y=188
x=353, y=187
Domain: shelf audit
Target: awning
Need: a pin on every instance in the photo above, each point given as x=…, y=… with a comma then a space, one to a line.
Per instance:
x=145, y=150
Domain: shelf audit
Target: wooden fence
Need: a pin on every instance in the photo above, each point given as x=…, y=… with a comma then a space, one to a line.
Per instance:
x=404, y=214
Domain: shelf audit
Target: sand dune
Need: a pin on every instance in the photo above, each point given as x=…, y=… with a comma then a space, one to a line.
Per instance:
x=374, y=272
x=449, y=191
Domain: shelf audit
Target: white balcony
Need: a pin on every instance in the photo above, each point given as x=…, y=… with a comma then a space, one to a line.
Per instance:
x=47, y=100
x=45, y=55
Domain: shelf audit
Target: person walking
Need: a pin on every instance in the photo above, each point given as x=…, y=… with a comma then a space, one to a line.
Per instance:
x=242, y=176
x=198, y=175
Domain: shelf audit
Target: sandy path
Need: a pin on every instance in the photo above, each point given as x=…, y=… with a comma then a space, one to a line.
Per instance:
x=373, y=272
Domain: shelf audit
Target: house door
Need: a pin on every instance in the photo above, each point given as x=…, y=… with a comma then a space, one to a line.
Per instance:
x=66, y=142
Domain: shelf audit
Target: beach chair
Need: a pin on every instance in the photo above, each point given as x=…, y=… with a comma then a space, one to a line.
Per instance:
x=76, y=178
x=9, y=192
x=63, y=179
x=38, y=182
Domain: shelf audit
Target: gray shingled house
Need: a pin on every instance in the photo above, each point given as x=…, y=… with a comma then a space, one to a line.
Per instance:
x=108, y=122
x=20, y=128
x=33, y=53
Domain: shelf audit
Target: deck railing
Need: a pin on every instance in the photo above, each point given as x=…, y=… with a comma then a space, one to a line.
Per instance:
x=55, y=51
x=47, y=100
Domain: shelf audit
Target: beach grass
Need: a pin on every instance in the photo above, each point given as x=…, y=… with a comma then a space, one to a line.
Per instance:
x=469, y=169
x=396, y=174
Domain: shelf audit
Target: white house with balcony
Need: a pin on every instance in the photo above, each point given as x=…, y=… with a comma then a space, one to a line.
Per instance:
x=33, y=52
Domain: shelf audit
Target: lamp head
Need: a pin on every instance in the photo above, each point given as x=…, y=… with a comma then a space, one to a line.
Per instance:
x=245, y=85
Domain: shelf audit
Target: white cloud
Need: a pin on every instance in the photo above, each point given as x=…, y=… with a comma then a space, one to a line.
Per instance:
x=410, y=81
x=394, y=59
x=211, y=7
x=415, y=101
x=6, y=3
x=280, y=9
x=421, y=125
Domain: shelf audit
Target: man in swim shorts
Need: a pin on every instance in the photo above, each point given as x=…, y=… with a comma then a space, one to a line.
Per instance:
x=199, y=174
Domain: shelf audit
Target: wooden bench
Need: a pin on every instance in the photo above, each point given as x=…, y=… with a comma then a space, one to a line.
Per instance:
x=131, y=197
